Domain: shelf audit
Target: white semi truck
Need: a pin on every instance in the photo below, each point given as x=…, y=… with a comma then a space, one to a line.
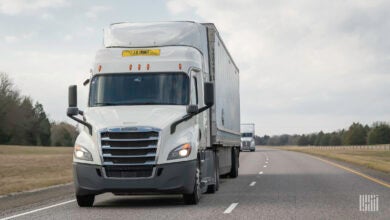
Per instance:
x=163, y=113
x=248, y=137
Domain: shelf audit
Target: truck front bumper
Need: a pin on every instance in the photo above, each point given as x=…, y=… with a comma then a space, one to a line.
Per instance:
x=176, y=178
x=248, y=148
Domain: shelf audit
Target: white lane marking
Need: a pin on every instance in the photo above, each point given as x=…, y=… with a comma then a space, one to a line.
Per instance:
x=230, y=208
x=266, y=161
x=265, y=166
x=252, y=183
x=261, y=172
x=37, y=210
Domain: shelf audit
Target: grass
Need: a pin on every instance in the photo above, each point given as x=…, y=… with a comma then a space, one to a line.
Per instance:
x=25, y=168
x=377, y=159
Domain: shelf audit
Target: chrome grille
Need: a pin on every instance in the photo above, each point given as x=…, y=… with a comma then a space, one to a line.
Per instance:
x=129, y=152
x=246, y=143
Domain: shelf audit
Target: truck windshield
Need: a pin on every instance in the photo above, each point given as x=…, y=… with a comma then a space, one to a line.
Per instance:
x=139, y=89
x=246, y=134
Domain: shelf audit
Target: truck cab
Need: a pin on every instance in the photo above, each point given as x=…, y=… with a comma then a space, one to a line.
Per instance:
x=248, y=137
x=147, y=128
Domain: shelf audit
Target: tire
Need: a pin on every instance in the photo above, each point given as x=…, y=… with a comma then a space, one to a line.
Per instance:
x=85, y=201
x=212, y=188
x=234, y=170
x=194, y=197
x=253, y=150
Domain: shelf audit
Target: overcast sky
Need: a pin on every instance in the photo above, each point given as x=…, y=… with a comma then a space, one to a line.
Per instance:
x=305, y=65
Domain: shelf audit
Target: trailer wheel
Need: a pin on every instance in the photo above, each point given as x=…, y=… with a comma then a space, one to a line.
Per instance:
x=235, y=163
x=212, y=188
x=85, y=201
x=194, y=197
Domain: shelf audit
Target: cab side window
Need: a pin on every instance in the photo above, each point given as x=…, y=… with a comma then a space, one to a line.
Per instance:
x=194, y=91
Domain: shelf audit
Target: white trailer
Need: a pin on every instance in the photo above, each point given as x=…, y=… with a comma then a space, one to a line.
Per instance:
x=163, y=114
x=248, y=137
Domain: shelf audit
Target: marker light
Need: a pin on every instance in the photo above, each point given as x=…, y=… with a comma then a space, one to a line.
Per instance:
x=179, y=152
x=100, y=68
x=139, y=66
x=147, y=66
x=130, y=67
x=179, y=66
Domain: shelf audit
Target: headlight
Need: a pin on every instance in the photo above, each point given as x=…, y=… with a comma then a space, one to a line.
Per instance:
x=81, y=153
x=181, y=151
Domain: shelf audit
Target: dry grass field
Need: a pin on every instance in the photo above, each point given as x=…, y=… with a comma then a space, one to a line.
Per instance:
x=24, y=168
x=377, y=159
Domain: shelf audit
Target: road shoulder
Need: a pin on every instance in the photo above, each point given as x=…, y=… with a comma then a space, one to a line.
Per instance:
x=18, y=202
x=385, y=177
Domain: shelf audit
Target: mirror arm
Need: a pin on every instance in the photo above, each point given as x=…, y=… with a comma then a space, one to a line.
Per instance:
x=203, y=109
x=174, y=124
x=187, y=117
x=88, y=125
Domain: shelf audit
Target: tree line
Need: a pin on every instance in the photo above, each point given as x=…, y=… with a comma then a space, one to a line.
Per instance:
x=356, y=134
x=23, y=122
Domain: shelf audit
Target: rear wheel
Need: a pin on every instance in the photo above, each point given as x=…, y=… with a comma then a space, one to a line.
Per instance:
x=194, y=197
x=85, y=201
x=234, y=170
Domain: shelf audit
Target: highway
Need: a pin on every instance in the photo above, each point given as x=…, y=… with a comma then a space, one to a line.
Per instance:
x=273, y=184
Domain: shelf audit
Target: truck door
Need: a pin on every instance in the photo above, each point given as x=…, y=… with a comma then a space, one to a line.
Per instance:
x=197, y=98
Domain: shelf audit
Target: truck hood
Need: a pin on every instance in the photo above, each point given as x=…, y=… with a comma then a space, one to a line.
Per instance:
x=157, y=116
x=246, y=139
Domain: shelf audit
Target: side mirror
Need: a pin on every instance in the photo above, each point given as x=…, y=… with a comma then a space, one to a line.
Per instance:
x=192, y=109
x=86, y=82
x=72, y=101
x=73, y=110
x=209, y=93
x=72, y=96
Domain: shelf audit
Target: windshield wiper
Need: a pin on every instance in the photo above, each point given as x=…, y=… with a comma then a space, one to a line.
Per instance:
x=125, y=103
x=139, y=103
x=106, y=103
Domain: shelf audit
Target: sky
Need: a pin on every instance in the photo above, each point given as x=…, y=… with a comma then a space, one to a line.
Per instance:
x=305, y=65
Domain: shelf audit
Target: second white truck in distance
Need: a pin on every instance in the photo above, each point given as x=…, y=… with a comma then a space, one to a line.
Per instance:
x=248, y=137
x=163, y=113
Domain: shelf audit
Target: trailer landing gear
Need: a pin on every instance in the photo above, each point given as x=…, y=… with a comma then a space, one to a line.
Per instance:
x=235, y=163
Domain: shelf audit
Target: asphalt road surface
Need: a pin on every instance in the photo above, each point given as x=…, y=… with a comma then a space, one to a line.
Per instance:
x=273, y=184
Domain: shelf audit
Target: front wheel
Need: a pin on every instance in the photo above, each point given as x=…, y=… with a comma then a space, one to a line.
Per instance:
x=85, y=201
x=194, y=197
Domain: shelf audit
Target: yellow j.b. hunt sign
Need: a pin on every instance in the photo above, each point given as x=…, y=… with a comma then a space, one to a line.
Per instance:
x=141, y=52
